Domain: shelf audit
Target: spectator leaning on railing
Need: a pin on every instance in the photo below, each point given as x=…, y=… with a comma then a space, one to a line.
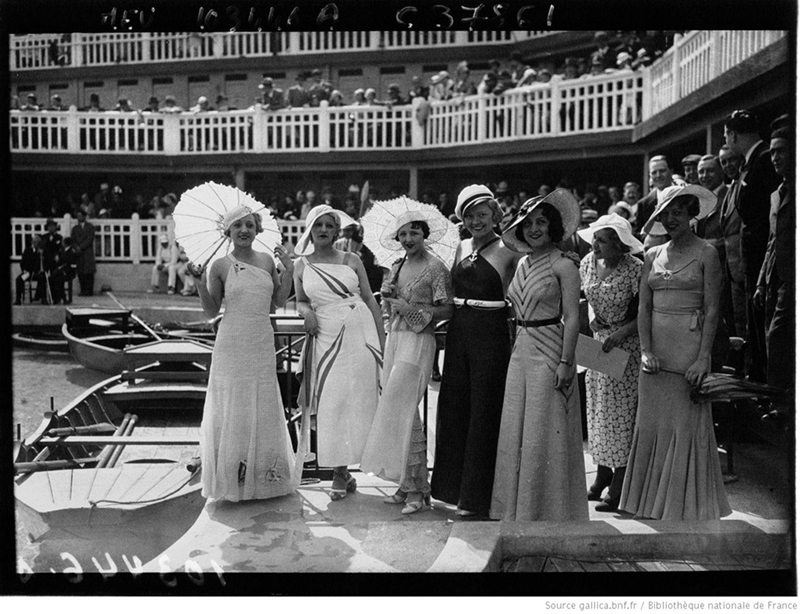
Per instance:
x=297, y=96
x=271, y=98
x=170, y=106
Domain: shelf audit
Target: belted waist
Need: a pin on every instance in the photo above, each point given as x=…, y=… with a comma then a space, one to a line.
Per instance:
x=479, y=304
x=537, y=323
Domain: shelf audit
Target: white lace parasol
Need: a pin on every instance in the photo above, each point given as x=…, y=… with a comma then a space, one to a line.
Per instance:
x=199, y=227
x=382, y=221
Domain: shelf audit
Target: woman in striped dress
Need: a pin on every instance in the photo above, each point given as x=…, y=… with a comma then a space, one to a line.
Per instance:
x=539, y=473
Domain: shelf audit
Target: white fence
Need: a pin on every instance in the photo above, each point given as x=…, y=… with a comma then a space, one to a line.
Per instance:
x=37, y=51
x=697, y=58
x=119, y=240
x=585, y=105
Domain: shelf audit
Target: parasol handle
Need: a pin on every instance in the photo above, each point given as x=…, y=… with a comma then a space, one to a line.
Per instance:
x=214, y=253
x=134, y=317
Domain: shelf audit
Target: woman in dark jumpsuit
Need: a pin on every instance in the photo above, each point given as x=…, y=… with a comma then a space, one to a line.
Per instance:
x=477, y=350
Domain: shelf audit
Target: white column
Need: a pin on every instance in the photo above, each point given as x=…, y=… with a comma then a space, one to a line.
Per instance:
x=324, y=127
x=172, y=134
x=73, y=142
x=482, y=120
x=676, y=73
x=555, y=106
x=136, y=239
x=144, y=40
x=259, y=130
x=647, y=93
x=77, y=49
x=413, y=182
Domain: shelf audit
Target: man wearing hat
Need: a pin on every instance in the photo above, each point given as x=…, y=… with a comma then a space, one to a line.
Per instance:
x=52, y=247
x=751, y=197
x=30, y=104
x=604, y=54
x=271, y=98
x=775, y=288
x=297, y=96
x=82, y=235
x=56, y=104
x=152, y=105
x=166, y=262
x=170, y=105
x=689, y=164
x=475, y=363
x=319, y=89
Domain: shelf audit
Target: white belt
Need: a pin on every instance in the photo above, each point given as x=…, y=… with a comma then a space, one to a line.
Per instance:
x=473, y=302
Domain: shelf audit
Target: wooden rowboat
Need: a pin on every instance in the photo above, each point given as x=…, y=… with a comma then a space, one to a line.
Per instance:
x=106, y=339
x=45, y=339
x=118, y=465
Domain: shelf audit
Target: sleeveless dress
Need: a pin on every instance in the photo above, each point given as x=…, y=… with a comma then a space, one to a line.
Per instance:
x=397, y=445
x=477, y=349
x=610, y=402
x=540, y=472
x=244, y=442
x=673, y=469
x=346, y=362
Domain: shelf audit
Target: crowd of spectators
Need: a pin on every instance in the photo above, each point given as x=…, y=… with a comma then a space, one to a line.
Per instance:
x=628, y=50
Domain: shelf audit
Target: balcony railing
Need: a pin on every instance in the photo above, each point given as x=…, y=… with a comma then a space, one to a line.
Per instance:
x=119, y=240
x=561, y=107
x=697, y=58
x=37, y=51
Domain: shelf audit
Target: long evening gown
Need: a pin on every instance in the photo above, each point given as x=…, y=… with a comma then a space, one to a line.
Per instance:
x=244, y=442
x=673, y=469
x=540, y=473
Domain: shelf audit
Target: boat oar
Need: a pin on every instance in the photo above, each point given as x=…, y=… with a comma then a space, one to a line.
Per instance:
x=120, y=447
x=104, y=455
x=68, y=463
x=101, y=428
x=134, y=317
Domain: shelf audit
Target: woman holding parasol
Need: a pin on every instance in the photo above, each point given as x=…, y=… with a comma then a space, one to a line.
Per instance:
x=418, y=294
x=673, y=468
x=346, y=341
x=245, y=449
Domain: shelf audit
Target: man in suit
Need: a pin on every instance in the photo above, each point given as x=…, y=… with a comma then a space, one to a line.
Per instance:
x=751, y=197
x=83, y=243
x=730, y=224
x=660, y=177
x=775, y=287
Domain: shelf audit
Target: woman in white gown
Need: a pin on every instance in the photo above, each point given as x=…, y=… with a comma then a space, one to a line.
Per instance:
x=245, y=449
x=346, y=344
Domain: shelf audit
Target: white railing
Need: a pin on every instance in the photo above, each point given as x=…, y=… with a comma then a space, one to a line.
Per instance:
x=120, y=240
x=578, y=106
x=36, y=51
x=697, y=58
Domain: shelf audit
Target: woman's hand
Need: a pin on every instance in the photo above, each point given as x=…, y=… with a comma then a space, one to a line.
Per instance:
x=400, y=305
x=564, y=375
x=613, y=340
x=310, y=323
x=283, y=256
x=696, y=372
x=650, y=363
x=195, y=271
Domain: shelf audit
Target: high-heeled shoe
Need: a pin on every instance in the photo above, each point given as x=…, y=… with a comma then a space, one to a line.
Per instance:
x=337, y=494
x=603, y=479
x=399, y=496
x=415, y=505
x=608, y=505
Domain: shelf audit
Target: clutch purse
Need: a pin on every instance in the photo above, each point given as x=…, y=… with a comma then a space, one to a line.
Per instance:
x=418, y=319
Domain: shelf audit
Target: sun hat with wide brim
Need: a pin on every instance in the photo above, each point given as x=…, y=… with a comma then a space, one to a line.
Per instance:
x=619, y=225
x=438, y=224
x=563, y=201
x=304, y=245
x=707, y=199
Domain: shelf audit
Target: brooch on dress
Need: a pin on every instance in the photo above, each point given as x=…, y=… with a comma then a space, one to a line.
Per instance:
x=473, y=256
x=667, y=275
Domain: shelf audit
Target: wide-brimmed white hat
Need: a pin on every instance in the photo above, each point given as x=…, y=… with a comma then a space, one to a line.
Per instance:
x=437, y=223
x=619, y=225
x=304, y=245
x=563, y=201
x=472, y=195
x=707, y=199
